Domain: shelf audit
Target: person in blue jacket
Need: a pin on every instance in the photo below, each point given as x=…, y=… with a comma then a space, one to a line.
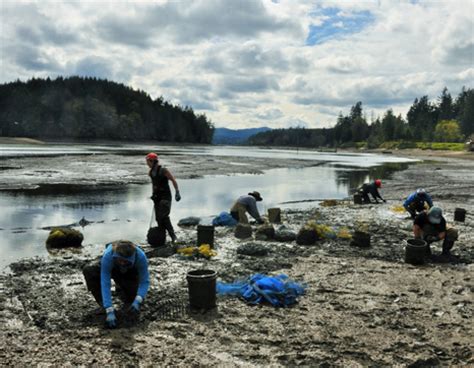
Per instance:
x=415, y=203
x=127, y=264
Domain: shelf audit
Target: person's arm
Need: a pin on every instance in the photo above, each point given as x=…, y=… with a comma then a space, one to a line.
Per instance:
x=253, y=211
x=408, y=201
x=374, y=192
x=417, y=232
x=106, y=265
x=143, y=275
x=429, y=200
x=379, y=195
x=170, y=176
x=172, y=179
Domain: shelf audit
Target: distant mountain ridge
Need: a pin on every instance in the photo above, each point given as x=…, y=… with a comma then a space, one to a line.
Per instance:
x=235, y=136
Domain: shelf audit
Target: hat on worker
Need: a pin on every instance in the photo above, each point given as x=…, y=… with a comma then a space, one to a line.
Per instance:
x=435, y=215
x=152, y=156
x=256, y=195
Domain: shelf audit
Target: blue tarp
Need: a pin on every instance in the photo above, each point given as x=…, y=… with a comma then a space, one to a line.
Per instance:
x=224, y=219
x=279, y=290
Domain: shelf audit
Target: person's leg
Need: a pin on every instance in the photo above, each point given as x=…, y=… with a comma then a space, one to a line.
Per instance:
x=235, y=215
x=128, y=283
x=242, y=214
x=365, y=197
x=448, y=243
x=162, y=211
x=92, y=276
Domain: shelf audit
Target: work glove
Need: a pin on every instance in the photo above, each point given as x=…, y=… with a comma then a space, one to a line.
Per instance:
x=110, y=320
x=135, y=306
x=431, y=238
x=177, y=196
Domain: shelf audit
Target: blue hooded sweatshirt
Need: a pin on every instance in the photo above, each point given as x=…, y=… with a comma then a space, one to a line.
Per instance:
x=138, y=260
x=416, y=197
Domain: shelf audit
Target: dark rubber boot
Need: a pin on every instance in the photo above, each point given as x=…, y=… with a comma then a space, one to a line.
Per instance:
x=174, y=238
x=428, y=251
x=447, y=245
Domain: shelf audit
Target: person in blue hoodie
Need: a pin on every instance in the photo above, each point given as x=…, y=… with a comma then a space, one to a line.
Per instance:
x=415, y=202
x=127, y=264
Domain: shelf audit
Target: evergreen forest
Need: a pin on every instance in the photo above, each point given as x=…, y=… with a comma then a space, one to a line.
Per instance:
x=88, y=108
x=447, y=119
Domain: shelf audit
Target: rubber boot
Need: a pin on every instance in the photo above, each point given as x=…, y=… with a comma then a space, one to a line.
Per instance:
x=447, y=245
x=174, y=238
x=428, y=250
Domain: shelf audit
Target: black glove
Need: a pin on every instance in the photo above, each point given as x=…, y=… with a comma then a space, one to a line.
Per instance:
x=177, y=196
x=431, y=238
x=384, y=200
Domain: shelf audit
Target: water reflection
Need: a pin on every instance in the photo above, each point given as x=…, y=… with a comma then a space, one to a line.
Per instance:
x=127, y=212
x=357, y=176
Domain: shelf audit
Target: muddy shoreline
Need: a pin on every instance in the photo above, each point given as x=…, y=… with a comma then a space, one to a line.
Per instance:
x=363, y=307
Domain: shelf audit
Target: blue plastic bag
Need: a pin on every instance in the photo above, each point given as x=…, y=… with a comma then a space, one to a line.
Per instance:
x=224, y=219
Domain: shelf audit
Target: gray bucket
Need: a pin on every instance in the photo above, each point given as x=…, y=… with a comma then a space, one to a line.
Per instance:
x=415, y=251
x=202, y=289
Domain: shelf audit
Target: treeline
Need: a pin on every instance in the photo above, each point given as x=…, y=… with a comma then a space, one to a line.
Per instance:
x=90, y=108
x=446, y=120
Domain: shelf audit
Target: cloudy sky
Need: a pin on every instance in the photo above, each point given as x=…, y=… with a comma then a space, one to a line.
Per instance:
x=250, y=63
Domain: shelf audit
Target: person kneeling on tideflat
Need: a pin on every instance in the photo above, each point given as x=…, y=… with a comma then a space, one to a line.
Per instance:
x=431, y=227
x=247, y=203
x=372, y=189
x=127, y=264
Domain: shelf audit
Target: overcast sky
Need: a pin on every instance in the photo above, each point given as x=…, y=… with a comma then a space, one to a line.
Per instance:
x=250, y=63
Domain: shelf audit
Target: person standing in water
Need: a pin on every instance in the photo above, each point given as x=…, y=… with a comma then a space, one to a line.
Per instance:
x=160, y=178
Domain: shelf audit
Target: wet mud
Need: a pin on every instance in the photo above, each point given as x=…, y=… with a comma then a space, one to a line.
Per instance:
x=363, y=306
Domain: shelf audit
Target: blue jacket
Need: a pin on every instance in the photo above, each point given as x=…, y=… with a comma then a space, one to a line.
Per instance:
x=137, y=260
x=415, y=197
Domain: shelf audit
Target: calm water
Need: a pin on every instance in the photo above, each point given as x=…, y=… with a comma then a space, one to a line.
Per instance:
x=126, y=213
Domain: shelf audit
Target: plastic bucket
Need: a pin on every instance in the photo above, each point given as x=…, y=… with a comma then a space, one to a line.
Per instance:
x=357, y=199
x=205, y=235
x=274, y=215
x=202, y=289
x=415, y=251
x=459, y=214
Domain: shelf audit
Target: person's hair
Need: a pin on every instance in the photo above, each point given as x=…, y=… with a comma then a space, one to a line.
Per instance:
x=124, y=248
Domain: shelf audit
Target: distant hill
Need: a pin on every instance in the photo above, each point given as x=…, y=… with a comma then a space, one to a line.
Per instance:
x=237, y=136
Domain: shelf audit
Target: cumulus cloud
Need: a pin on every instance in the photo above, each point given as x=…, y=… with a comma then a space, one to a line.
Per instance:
x=270, y=114
x=91, y=66
x=251, y=62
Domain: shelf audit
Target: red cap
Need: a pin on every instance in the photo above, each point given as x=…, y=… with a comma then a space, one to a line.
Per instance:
x=378, y=183
x=152, y=156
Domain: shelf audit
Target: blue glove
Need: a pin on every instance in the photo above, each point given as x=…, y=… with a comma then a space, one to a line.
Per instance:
x=177, y=196
x=135, y=306
x=111, y=320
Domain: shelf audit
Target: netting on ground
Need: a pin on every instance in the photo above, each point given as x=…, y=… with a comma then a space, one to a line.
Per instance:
x=278, y=291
